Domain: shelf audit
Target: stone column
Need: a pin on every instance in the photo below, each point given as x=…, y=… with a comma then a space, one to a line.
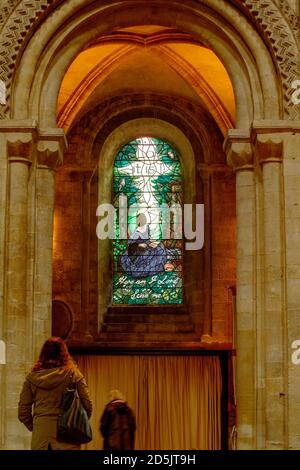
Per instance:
x=50, y=150
x=20, y=155
x=269, y=150
x=291, y=174
x=3, y=216
x=207, y=323
x=85, y=267
x=26, y=260
x=239, y=153
x=211, y=175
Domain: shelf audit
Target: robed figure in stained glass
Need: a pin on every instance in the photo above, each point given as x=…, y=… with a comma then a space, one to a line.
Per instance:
x=143, y=257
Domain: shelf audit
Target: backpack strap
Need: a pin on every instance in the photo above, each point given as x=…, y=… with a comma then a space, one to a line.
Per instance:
x=71, y=383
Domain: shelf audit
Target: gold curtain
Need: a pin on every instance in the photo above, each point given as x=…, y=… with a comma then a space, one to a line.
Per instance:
x=176, y=399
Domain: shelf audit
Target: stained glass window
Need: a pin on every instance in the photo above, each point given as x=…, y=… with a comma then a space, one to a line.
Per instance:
x=147, y=251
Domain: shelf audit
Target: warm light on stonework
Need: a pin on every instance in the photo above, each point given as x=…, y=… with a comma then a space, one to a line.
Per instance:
x=102, y=69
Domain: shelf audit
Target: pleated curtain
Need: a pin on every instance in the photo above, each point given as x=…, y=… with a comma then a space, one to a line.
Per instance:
x=176, y=399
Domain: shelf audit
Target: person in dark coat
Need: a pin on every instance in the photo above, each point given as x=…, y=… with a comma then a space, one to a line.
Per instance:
x=117, y=424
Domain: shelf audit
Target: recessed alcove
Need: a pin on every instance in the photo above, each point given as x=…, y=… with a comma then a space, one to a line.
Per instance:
x=174, y=90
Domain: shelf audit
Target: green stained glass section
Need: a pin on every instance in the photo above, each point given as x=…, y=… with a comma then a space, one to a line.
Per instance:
x=147, y=253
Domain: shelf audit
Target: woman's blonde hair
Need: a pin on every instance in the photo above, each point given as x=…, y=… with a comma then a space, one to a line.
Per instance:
x=116, y=395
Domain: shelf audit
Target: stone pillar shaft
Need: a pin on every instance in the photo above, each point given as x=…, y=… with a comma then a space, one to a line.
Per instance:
x=269, y=153
x=267, y=264
x=49, y=155
x=291, y=171
x=3, y=201
x=245, y=307
x=85, y=268
x=20, y=156
x=240, y=156
x=207, y=325
x=27, y=261
x=45, y=188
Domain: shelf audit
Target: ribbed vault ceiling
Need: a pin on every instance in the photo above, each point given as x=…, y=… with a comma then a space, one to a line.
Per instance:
x=146, y=59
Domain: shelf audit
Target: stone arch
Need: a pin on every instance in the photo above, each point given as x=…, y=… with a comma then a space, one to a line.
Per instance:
x=223, y=28
x=195, y=122
x=278, y=30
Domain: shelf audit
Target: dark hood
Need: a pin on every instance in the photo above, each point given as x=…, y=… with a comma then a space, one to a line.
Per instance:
x=48, y=378
x=119, y=406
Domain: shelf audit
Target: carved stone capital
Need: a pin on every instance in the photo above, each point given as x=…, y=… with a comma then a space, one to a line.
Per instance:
x=25, y=140
x=20, y=148
x=239, y=150
x=268, y=138
x=269, y=148
x=21, y=136
x=51, y=147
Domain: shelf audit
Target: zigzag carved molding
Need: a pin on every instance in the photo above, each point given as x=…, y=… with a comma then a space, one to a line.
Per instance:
x=6, y=9
x=290, y=15
x=19, y=18
x=282, y=44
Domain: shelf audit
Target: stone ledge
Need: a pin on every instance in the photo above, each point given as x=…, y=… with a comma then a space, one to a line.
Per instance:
x=143, y=347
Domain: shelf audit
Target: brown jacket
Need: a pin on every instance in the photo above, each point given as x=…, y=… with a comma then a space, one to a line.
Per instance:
x=117, y=426
x=40, y=401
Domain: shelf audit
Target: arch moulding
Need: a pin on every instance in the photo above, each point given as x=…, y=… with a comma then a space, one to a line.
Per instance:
x=19, y=20
x=217, y=24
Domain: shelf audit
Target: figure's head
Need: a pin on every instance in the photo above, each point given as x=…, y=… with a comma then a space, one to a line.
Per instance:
x=116, y=395
x=141, y=219
x=54, y=353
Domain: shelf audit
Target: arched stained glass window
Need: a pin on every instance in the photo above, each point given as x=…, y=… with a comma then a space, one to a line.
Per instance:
x=147, y=250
